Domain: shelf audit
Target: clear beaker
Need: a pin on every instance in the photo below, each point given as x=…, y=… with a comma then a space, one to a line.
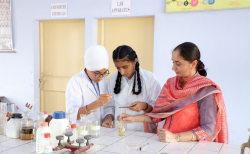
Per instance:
x=3, y=118
x=122, y=126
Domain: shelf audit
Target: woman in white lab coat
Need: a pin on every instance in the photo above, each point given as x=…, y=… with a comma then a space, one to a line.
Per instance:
x=86, y=90
x=131, y=87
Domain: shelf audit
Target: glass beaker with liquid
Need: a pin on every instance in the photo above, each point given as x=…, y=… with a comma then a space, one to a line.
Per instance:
x=27, y=125
x=122, y=125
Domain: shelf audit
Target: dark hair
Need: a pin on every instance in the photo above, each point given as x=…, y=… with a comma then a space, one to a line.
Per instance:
x=190, y=52
x=126, y=53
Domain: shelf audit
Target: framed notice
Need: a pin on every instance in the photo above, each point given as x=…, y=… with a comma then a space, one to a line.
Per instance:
x=198, y=5
x=6, y=44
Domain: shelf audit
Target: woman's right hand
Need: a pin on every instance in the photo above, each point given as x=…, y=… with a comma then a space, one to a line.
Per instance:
x=103, y=99
x=126, y=118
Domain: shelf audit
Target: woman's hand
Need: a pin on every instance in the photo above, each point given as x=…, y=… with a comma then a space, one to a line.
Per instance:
x=126, y=118
x=167, y=136
x=137, y=106
x=108, y=122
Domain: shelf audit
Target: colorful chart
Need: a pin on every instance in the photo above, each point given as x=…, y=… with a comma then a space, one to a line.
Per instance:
x=196, y=5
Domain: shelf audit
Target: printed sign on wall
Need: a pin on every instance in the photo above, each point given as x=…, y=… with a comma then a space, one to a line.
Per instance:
x=196, y=5
x=5, y=26
x=120, y=7
x=59, y=10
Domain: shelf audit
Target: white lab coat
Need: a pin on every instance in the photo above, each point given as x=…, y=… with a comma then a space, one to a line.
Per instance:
x=150, y=91
x=80, y=92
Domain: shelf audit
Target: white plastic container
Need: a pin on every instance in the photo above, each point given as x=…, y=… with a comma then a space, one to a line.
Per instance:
x=47, y=144
x=40, y=136
x=13, y=125
x=58, y=126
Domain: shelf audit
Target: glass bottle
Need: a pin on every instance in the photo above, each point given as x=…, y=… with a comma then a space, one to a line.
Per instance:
x=68, y=114
x=37, y=124
x=49, y=118
x=122, y=125
x=94, y=125
x=27, y=125
x=82, y=127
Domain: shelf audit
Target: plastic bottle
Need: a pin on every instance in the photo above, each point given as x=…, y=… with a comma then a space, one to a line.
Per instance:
x=75, y=133
x=94, y=125
x=58, y=126
x=47, y=144
x=40, y=136
x=49, y=118
x=27, y=125
x=37, y=124
x=13, y=126
x=82, y=127
x=45, y=115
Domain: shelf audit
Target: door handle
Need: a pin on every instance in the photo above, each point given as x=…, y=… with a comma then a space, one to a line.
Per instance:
x=42, y=82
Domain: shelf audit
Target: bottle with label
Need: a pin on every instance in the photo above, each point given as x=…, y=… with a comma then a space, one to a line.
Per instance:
x=94, y=125
x=82, y=127
x=47, y=144
x=27, y=125
x=49, y=118
x=37, y=124
x=40, y=140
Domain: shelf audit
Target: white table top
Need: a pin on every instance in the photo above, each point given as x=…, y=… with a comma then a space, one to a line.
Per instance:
x=110, y=143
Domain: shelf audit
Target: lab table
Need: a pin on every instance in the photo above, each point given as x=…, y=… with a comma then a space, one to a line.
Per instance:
x=110, y=143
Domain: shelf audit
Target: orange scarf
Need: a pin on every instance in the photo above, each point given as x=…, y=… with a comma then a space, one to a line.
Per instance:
x=173, y=98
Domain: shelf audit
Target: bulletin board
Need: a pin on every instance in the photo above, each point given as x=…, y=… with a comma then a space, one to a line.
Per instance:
x=6, y=44
x=197, y=5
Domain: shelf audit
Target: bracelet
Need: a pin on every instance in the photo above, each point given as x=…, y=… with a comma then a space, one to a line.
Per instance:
x=86, y=110
x=179, y=137
x=192, y=135
x=146, y=107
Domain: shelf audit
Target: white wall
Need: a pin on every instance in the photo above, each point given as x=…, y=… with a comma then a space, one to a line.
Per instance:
x=222, y=36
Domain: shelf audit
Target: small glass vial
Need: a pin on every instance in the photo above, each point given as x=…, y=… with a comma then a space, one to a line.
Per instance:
x=49, y=118
x=122, y=125
x=82, y=127
x=47, y=144
x=27, y=125
x=94, y=125
x=37, y=124
x=121, y=130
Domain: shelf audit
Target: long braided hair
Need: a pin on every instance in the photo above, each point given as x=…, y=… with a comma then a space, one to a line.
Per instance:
x=126, y=53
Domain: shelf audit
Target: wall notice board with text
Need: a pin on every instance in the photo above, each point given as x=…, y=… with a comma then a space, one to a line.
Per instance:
x=197, y=5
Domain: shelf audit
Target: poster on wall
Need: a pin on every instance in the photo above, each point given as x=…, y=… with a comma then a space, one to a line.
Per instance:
x=6, y=44
x=120, y=7
x=198, y=5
